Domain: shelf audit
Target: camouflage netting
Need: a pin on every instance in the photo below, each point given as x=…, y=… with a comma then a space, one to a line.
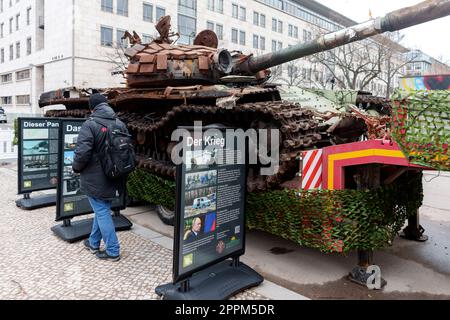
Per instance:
x=142, y=185
x=331, y=221
x=421, y=127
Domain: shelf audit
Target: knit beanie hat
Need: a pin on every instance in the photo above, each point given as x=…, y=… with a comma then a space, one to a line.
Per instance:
x=96, y=99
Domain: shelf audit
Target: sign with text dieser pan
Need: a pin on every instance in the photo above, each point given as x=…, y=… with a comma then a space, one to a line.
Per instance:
x=210, y=206
x=38, y=154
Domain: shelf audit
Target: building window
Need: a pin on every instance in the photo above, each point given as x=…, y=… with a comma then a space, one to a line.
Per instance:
x=17, y=50
x=262, y=21
x=242, y=37
x=187, y=28
x=219, y=6
x=296, y=32
x=107, y=5
x=148, y=12
x=255, y=18
x=215, y=5
x=122, y=7
x=1, y=30
x=211, y=5
x=11, y=25
x=25, y=99
x=234, y=36
x=146, y=38
x=290, y=30
x=255, y=41
x=28, y=16
x=17, y=22
x=274, y=46
x=7, y=78
x=28, y=46
x=242, y=14
x=307, y=35
x=106, y=36
x=234, y=10
x=123, y=43
x=262, y=43
x=160, y=12
x=11, y=52
x=277, y=25
x=1, y=6
x=2, y=55
x=6, y=100
x=219, y=31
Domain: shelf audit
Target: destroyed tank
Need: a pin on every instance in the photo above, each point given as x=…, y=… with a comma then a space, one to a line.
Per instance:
x=171, y=85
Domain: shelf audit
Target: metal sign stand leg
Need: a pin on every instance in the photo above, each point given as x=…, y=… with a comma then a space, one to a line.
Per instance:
x=28, y=203
x=75, y=231
x=185, y=286
x=218, y=282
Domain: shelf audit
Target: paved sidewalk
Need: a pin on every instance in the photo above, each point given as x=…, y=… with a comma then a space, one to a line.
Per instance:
x=35, y=264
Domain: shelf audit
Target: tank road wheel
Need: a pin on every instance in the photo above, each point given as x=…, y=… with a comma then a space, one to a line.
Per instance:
x=166, y=215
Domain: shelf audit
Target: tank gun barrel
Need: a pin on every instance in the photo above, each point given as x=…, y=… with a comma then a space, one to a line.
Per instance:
x=394, y=21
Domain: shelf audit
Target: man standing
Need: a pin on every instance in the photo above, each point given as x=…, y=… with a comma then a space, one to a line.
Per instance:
x=94, y=183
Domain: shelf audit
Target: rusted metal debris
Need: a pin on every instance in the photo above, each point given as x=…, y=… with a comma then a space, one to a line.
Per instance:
x=133, y=38
x=207, y=38
x=163, y=27
x=377, y=127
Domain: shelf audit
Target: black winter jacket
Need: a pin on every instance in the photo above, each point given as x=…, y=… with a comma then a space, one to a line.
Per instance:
x=91, y=139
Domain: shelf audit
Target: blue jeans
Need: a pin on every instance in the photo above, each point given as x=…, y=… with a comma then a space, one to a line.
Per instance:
x=103, y=227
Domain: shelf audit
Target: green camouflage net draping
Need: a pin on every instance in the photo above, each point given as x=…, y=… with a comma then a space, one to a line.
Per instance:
x=142, y=185
x=331, y=221
x=338, y=220
x=421, y=126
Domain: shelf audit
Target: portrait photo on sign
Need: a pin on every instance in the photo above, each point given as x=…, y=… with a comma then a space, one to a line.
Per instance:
x=35, y=134
x=200, y=201
x=70, y=141
x=68, y=157
x=71, y=187
x=35, y=163
x=201, y=179
x=35, y=147
x=195, y=227
x=200, y=159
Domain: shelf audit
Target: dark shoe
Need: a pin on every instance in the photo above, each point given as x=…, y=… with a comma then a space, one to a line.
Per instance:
x=102, y=255
x=88, y=246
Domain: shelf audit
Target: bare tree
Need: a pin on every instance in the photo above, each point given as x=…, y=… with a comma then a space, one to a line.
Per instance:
x=352, y=66
x=299, y=73
x=395, y=61
x=117, y=58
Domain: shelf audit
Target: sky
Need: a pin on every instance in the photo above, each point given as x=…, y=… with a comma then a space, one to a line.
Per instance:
x=430, y=37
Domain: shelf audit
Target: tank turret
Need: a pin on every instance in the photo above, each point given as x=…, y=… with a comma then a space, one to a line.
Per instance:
x=162, y=63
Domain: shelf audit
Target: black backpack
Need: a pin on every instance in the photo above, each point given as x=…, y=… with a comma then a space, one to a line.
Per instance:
x=117, y=154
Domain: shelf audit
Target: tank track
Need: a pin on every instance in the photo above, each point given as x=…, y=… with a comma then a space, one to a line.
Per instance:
x=298, y=131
